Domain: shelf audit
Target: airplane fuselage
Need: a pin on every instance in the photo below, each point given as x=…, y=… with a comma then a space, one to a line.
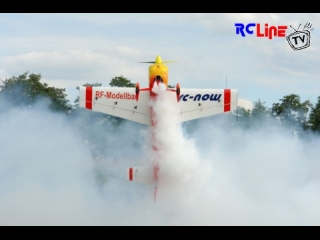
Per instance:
x=158, y=73
x=137, y=104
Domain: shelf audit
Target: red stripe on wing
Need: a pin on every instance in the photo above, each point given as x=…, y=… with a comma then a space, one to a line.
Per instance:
x=227, y=100
x=89, y=97
x=130, y=174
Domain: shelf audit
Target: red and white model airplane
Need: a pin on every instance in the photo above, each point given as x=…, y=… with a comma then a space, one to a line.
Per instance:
x=134, y=104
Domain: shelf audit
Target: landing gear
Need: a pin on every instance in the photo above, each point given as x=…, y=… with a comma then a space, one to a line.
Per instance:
x=178, y=92
x=137, y=91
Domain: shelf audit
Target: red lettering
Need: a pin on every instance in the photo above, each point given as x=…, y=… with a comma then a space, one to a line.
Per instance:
x=282, y=31
x=97, y=94
x=266, y=30
x=117, y=96
x=258, y=31
x=101, y=94
x=108, y=94
x=274, y=32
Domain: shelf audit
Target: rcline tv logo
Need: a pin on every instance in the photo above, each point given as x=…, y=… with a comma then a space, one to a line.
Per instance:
x=300, y=39
x=269, y=32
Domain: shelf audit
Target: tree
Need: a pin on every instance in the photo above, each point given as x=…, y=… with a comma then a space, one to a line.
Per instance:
x=121, y=82
x=292, y=112
x=259, y=111
x=243, y=117
x=24, y=91
x=314, y=118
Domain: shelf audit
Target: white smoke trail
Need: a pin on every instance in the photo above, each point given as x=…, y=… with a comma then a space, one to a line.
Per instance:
x=181, y=168
x=44, y=170
x=224, y=176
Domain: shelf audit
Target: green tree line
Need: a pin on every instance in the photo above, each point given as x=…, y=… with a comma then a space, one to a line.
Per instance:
x=297, y=115
x=290, y=113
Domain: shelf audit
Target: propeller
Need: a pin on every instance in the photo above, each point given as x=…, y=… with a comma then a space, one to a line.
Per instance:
x=159, y=61
x=169, y=61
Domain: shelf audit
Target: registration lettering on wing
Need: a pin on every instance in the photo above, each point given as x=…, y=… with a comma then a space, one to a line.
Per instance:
x=200, y=97
x=112, y=95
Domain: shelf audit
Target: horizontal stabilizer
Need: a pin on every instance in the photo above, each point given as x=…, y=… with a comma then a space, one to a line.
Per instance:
x=143, y=174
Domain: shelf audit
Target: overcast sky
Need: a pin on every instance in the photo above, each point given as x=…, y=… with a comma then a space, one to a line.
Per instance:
x=69, y=50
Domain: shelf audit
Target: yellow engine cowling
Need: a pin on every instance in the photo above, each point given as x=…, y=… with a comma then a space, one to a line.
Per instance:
x=158, y=72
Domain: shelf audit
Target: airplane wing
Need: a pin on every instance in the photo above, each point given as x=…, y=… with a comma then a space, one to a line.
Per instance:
x=199, y=103
x=117, y=101
x=193, y=104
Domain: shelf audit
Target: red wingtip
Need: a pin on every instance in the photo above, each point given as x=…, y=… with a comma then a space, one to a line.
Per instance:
x=130, y=174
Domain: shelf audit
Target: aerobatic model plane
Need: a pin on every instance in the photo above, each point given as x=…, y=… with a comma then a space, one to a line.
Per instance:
x=133, y=104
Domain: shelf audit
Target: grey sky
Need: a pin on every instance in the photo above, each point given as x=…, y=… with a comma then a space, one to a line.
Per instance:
x=72, y=49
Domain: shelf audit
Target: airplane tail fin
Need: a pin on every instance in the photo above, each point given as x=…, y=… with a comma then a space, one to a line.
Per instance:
x=144, y=174
x=155, y=193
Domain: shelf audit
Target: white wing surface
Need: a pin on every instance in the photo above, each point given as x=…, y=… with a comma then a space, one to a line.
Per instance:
x=117, y=101
x=193, y=104
x=199, y=103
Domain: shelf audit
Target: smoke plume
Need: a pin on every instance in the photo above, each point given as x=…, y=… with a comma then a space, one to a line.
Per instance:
x=214, y=173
